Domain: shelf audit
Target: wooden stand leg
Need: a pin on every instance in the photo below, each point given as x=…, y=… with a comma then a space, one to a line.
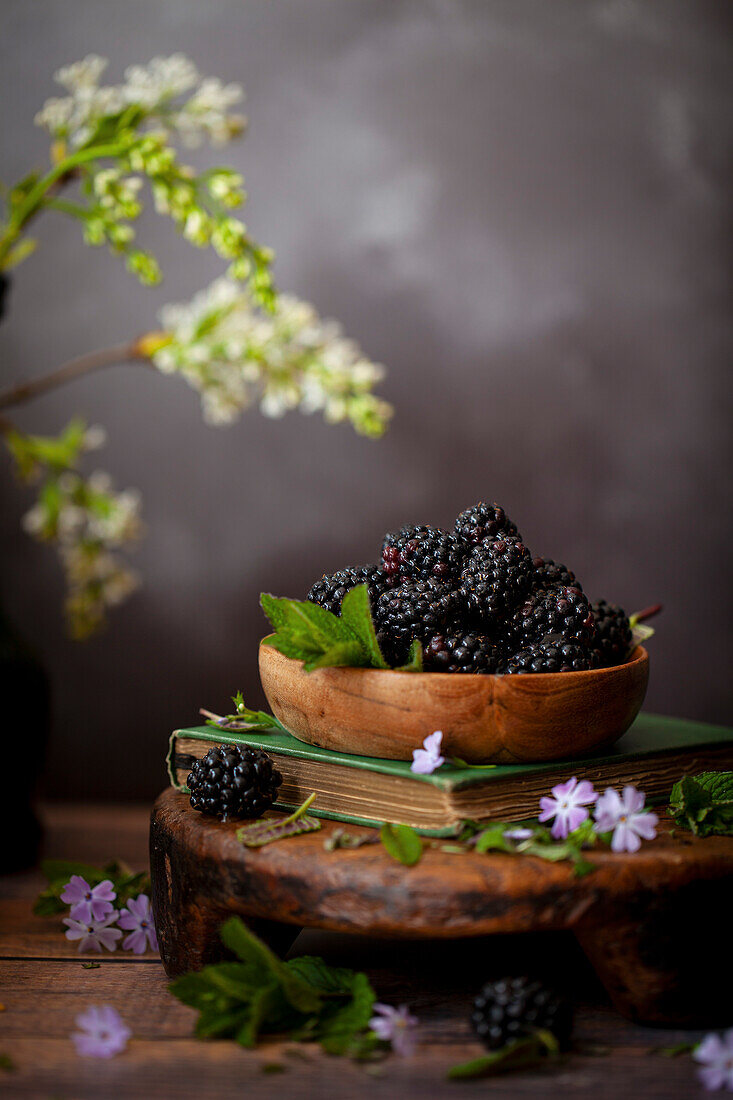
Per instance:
x=667, y=962
x=188, y=919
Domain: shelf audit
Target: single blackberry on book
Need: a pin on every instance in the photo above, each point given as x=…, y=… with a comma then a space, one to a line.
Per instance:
x=562, y=610
x=495, y=576
x=482, y=523
x=330, y=590
x=233, y=781
x=549, y=573
x=421, y=553
x=612, y=638
x=514, y=1008
x=417, y=609
x=462, y=651
x=552, y=655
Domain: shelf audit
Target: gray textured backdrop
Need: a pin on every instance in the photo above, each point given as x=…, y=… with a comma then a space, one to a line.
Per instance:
x=522, y=209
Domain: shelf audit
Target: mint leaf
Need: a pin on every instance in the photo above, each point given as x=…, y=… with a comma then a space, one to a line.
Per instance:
x=303, y=999
x=414, y=663
x=342, y=654
x=520, y=1054
x=356, y=614
x=320, y=639
x=402, y=843
x=704, y=803
x=640, y=633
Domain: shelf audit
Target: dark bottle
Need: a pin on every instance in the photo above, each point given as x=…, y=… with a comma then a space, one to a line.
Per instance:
x=26, y=713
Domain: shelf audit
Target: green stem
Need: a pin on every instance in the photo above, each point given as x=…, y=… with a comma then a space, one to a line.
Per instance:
x=34, y=198
x=301, y=811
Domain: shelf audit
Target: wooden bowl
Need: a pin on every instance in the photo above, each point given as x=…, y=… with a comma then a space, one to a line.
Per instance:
x=484, y=719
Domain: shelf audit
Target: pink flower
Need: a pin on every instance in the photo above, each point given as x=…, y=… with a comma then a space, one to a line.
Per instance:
x=567, y=806
x=138, y=920
x=715, y=1053
x=625, y=815
x=88, y=902
x=103, y=1032
x=395, y=1026
x=93, y=934
x=428, y=758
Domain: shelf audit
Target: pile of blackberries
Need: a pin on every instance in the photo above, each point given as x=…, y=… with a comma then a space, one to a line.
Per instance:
x=478, y=601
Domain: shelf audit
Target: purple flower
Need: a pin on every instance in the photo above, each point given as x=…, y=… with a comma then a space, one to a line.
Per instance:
x=103, y=1033
x=428, y=758
x=715, y=1053
x=88, y=902
x=93, y=934
x=138, y=920
x=567, y=806
x=518, y=834
x=625, y=815
x=395, y=1026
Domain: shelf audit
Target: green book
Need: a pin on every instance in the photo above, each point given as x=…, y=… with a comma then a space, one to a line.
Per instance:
x=654, y=753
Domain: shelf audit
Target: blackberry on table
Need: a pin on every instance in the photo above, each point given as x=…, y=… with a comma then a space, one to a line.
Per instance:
x=484, y=522
x=552, y=655
x=513, y=1008
x=495, y=576
x=421, y=553
x=417, y=609
x=549, y=573
x=612, y=638
x=233, y=781
x=562, y=609
x=463, y=651
x=330, y=590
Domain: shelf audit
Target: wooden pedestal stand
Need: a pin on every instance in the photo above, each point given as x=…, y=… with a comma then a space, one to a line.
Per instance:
x=655, y=925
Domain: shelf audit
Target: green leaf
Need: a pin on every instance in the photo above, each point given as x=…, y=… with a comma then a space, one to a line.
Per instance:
x=520, y=1054
x=640, y=633
x=307, y=632
x=356, y=614
x=342, y=654
x=251, y=950
x=704, y=803
x=402, y=843
x=493, y=839
x=6, y=1063
x=414, y=662
x=265, y=832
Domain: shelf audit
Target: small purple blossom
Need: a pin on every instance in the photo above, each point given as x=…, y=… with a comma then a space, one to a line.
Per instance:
x=715, y=1053
x=138, y=920
x=94, y=934
x=102, y=1032
x=88, y=902
x=428, y=758
x=625, y=815
x=518, y=834
x=395, y=1026
x=567, y=806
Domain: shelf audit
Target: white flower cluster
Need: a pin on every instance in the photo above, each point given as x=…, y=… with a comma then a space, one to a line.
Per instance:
x=88, y=522
x=234, y=354
x=150, y=88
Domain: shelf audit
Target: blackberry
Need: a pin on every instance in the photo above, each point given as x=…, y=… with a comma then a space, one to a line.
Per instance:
x=484, y=522
x=495, y=576
x=612, y=639
x=461, y=652
x=233, y=781
x=417, y=609
x=516, y=1007
x=421, y=553
x=549, y=573
x=562, y=610
x=552, y=655
x=330, y=590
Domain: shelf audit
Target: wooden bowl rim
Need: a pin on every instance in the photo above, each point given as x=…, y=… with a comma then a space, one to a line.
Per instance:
x=638, y=655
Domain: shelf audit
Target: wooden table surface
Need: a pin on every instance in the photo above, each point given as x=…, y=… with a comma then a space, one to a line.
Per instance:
x=43, y=986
